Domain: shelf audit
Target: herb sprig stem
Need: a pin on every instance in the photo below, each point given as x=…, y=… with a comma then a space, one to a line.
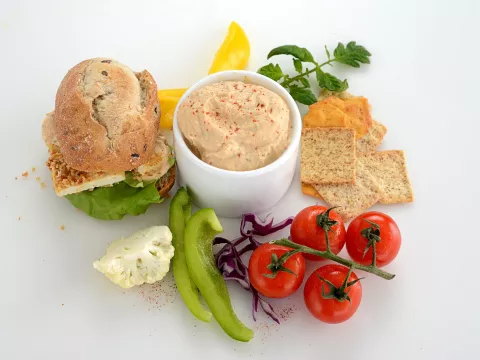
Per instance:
x=299, y=85
x=290, y=80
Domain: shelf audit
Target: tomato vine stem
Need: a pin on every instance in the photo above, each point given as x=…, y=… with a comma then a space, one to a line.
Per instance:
x=331, y=256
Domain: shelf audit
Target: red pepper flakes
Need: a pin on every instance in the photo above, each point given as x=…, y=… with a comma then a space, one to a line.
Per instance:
x=158, y=294
x=287, y=312
x=207, y=113
x=236, y=129
x=238, y=155
x=25, y=174
x=217, y=114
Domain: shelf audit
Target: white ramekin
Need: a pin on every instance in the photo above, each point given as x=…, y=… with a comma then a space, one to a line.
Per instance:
x=233, y=193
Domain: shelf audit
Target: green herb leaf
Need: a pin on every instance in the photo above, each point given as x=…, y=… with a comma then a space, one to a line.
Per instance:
x=114, y=202
x=328, y=52
x=271, y=71
x=330, y=82
x=298, y=65
x=297, y=52
x=303, y=96
x=305, y=82
x=352, y=54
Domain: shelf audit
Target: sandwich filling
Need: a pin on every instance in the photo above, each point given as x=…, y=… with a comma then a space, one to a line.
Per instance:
x=109, y=195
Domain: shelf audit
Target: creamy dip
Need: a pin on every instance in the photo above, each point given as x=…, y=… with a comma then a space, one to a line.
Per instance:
x=236, y=126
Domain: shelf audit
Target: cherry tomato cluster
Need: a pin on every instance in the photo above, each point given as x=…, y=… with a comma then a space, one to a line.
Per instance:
x=333, y=292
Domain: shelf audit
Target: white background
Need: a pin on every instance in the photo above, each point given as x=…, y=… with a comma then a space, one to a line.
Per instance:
x=423, y=85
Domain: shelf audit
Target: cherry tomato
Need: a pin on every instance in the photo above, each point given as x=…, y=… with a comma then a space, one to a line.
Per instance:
x=306, y=231
x=284, y=283
x=331, y=310
x=386, y=248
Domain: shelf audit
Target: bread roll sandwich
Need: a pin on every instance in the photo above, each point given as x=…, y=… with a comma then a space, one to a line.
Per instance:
x=107, y=155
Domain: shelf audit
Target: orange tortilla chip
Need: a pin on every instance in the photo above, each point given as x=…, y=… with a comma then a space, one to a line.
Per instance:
x=333, y=111
x=335, y=101
x=310, y=190
x=323, y=114
x=358, y=111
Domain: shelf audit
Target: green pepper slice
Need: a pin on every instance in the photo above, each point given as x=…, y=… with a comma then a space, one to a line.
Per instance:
x=179, y=213
x=201, y=229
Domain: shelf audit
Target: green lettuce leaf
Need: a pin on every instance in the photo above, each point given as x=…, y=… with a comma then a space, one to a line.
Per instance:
x=131, y=181
x=171, y=156
x=114, y=202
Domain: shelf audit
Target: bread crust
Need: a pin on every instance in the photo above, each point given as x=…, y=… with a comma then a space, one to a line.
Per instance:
x=106, y=116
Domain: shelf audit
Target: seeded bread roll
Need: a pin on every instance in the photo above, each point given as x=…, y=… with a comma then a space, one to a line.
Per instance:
x=106, y=116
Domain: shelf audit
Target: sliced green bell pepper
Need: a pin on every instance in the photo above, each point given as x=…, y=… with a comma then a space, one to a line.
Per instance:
x=201, y=229
x=180, y=212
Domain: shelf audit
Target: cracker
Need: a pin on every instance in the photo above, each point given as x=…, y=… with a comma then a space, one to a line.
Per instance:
x=328, y=156
x=358, y=114
x=390, y=171
x=352, y=199
x=355, y=108
x=324, y=114
x=374, y=137
x=342, y=95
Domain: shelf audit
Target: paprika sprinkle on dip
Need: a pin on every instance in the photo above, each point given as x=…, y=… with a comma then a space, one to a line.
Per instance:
x=235, y=126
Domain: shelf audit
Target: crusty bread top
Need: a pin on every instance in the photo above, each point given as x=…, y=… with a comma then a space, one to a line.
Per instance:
x=106, y=116
x=49, y=132
x=390, y=171
x=328, y=156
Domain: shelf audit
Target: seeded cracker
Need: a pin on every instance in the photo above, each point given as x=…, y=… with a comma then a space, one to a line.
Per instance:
x=390, y=171
x=374, y=137
x=352, y=199
x=328, y=156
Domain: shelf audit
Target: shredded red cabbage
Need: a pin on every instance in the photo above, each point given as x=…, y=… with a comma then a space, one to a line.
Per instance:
x=229, y=260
